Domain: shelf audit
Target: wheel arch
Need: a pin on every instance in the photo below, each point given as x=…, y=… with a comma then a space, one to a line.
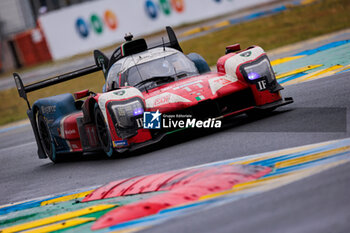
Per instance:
x=200, y=62
x=88, y=109
x=52, y=108
x=32, y=115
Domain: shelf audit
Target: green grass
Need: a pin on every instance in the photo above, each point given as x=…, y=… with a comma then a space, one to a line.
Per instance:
x=13, y=108
x=293, y=25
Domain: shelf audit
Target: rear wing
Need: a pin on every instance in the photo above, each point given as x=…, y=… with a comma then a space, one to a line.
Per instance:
x=23, y=90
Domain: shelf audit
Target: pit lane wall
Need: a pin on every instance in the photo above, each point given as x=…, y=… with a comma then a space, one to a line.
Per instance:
x=87, y=26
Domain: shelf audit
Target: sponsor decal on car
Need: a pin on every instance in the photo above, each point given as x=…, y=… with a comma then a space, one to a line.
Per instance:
x=120, y=143
x=48, y=109
x=70, y=132
x=162, y=100
x=165, y=98
x=119, y=93
x=246, y=54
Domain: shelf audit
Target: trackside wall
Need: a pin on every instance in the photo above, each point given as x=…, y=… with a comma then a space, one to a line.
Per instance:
x=84, y=27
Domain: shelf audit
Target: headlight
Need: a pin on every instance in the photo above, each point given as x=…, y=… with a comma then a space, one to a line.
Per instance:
x=259, y=69
x=125, y=113
x=126, y=116
x=260, y=72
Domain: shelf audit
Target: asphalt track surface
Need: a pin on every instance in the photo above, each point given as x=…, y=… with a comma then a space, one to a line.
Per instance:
x=316, y=204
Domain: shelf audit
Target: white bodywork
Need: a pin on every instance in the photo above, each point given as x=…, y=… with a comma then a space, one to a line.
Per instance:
x=233, y=62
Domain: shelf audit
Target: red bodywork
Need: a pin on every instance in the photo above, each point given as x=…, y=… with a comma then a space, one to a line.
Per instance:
x=188, y=88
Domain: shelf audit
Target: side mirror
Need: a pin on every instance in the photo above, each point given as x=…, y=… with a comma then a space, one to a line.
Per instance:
x=81, y=94
x=115, y=85
x=233, y=48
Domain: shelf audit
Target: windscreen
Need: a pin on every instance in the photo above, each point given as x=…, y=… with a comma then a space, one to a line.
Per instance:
x=172, y=65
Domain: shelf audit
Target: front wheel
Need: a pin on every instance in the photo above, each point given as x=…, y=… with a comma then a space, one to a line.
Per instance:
x=46, y=139
x=103, y=132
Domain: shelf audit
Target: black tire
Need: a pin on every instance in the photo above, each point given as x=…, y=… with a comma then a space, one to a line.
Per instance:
x=103, y=132
x=200, y=63
x=46, y=139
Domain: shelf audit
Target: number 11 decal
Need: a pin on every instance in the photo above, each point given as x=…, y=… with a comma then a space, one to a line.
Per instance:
x=261, y=85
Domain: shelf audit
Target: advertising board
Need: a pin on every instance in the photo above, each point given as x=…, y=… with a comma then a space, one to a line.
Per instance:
x=87, y=26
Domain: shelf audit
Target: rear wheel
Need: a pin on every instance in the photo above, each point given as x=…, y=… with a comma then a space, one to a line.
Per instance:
x=103, y=132
x=46, y=139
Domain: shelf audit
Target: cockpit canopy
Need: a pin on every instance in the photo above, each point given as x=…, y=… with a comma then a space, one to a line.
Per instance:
x=142, y=70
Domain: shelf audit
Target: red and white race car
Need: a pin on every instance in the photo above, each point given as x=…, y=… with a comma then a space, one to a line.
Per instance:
x=142, y=84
